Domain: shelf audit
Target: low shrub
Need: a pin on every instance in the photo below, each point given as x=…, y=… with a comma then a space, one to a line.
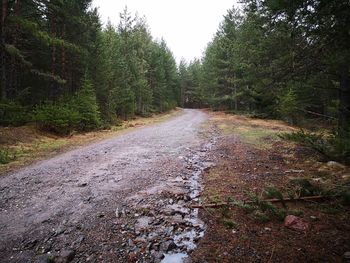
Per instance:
x=79, y=112
x=6, y=156
x=334, y=146
x=85, y=104
x=12, y=113
x=58, y=118
x=304, y=187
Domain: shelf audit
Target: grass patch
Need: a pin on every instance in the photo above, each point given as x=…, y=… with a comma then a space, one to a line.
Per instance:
x=50, y=145
x=260, y=137
x=256, y=132
x=254, y=135
x=214, y=197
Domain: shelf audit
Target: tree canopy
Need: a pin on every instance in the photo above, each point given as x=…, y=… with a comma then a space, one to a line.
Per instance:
x=55, y=54
x=279, y=59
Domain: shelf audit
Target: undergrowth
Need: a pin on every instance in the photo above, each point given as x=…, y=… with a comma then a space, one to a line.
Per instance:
x=271, y=203
x=6, y=156
x=334, y=146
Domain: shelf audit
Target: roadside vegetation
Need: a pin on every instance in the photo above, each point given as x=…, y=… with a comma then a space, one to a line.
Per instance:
x=330, y=144
x=63, y=75
x=280, y=60
x=275, y=77
x=22, y=145
x=64, y=72
x=269, y=199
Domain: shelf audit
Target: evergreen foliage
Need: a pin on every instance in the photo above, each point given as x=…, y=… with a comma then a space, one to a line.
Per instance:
x=58, y=62
x=13, y=113
x=84, y=103
x=335, y=146
x=59, y=118
x=279, y=59
x=269, y=58
x=6, y=155
x=288, y=106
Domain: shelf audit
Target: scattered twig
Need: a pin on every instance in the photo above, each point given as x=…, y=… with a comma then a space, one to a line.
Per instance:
x=273, y=250
x=319, y=114
x=206, y=210
x=305, y=198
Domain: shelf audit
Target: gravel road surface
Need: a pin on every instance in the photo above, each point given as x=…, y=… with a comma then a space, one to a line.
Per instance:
x=66, y=205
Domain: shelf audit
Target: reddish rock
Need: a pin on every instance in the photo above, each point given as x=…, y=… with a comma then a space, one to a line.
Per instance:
x=296, y=223
x=132, y=257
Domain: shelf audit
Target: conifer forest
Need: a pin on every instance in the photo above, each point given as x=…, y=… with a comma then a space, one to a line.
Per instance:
x=271, y=58
x=114, y=148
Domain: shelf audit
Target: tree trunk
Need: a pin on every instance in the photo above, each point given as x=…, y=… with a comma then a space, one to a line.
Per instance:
x=63, y=53
x=53, y=57
x=235, y=87
x=13, y=83
x=2, y=48
x=344, y=98
x=236, y=101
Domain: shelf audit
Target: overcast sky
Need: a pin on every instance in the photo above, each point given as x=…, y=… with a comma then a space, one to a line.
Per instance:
x=186, y=25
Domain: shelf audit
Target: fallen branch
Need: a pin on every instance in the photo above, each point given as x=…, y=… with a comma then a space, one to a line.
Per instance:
x=305, y=198
x=318, y=114
x=273, y=250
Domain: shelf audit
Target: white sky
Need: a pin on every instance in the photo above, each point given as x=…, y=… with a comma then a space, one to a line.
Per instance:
x=186, y=25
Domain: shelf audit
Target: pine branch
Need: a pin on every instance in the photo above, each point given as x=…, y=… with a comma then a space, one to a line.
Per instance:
x=274, y=200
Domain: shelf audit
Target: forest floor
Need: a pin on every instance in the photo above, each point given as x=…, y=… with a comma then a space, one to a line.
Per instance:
x=26, y=144
x=250, y=157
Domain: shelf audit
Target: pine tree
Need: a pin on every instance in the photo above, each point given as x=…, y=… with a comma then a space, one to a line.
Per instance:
x=85, y=103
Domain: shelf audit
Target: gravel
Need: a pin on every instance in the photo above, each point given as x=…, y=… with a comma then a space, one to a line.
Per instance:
x=85, y=201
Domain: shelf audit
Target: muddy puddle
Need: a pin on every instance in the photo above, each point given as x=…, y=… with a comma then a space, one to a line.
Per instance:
x=160, y=224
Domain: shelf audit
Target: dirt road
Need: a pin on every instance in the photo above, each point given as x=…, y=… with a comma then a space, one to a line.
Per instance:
x=65, y=206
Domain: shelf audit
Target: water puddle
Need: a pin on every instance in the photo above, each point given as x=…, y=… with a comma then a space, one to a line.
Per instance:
x=174, y=258
x=186, y=239
x=165, y=228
